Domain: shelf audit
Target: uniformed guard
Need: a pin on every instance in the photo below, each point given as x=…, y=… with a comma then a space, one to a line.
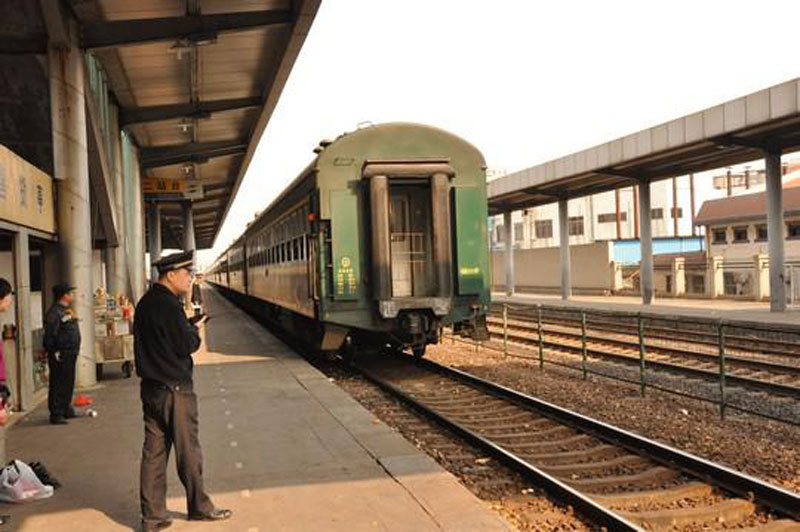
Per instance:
x=62, y=341
x=164, y=340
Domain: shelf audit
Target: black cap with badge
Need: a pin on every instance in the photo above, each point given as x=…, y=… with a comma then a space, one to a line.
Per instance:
x=176, y=261
x=61, y=289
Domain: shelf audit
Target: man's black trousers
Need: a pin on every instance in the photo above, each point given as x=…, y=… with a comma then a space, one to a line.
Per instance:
x=61, y=383
x=170, y=419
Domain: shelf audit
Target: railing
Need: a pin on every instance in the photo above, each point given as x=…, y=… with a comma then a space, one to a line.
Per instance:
x=729, y=356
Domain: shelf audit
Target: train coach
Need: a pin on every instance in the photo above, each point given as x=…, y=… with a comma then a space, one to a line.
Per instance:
x=379, y=243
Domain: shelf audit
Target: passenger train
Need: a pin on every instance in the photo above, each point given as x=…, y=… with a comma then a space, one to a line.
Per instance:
x=379, y=243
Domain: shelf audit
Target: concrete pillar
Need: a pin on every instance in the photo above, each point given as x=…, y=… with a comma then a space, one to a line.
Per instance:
x=71, y=172
x=188, y=229
x=116, y=267
x=22, y=304
x=563, y=236
x=760, y=277
x=509, y=255
x=154, y=236
x=775, y=238
x=646, y=232
x=136, y=232
x=715, y=277
x=678, y=276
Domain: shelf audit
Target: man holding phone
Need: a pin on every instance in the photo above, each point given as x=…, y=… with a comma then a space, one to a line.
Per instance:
x=164, y=340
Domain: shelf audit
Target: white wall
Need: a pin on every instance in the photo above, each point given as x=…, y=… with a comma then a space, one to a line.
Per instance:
x=539, y=269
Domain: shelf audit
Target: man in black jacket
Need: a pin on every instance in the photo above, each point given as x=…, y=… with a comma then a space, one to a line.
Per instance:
x=164, y=341
x=62, y=341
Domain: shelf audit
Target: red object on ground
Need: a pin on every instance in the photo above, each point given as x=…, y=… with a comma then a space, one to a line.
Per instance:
x=82, y=399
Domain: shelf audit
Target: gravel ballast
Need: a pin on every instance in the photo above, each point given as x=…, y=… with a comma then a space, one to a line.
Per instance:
x=765, y=449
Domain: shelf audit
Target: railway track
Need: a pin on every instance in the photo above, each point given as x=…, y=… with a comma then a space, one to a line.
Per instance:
x=673, y=354
x=781, y=343
x=614, y=478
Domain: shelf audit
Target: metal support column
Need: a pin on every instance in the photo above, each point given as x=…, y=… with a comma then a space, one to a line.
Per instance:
x=154, y=237
x=777, y=281
x=563, y=235
x=646, y=232
x=509, y=255
x=71, y=172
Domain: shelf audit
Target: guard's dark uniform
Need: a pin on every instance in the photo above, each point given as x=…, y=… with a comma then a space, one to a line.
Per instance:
x=164, y=341
x=62, y=341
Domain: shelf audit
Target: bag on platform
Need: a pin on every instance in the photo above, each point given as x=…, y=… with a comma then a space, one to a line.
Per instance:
x=18, y=483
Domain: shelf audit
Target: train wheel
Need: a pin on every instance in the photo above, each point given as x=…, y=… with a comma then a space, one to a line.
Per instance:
x=418, y=350
x=127, y=369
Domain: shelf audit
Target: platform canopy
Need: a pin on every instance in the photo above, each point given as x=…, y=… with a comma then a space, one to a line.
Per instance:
x=196, y=82
x=730, y=133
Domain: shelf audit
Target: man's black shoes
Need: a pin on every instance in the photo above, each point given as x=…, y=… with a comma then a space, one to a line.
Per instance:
x=58, y=421
x=155, y=526
x=215, y=515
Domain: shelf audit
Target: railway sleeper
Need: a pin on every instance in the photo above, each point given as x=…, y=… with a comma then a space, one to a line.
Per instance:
x=781, y=525
x=495, y=423
x=666, y=496
x=569, y=442
x=556, y=458
x=588, y=467
x=728, y=511
x=657, y=474
x=479, y=410
x=559, y=429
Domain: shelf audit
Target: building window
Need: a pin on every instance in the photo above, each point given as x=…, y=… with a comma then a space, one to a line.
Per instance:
x=543, y=228
x=501, y=233
x=611, y=217
x=677, y=212
x=793, y=230
x=575, y=224
x=761, y=233
x=719, y=236
x=518, y=232
x=657, y=214
x=740, y=234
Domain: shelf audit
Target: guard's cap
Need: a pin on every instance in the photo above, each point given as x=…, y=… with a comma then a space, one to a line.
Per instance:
x=60, y=289
x=176, y=261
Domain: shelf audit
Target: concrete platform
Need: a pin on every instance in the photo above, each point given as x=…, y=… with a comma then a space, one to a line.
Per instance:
x=284, y=448
x=746, y=311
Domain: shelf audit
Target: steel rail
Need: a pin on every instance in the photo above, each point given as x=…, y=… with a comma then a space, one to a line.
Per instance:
x=736, y=482
x=581, y=503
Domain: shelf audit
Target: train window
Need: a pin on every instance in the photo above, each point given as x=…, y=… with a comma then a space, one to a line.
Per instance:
x=283, y=252
x=295, y=249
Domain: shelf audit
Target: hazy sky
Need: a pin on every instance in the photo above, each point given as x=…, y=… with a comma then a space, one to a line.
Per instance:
x=524, y=81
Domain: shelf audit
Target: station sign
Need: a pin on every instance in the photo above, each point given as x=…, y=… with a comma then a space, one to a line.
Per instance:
x=162, y=189
x=26, y=193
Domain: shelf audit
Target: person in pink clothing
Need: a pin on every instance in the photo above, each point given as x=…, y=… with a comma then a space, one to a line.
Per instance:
x=6, y=297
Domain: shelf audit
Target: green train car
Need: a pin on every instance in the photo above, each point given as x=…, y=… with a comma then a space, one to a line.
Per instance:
x=379, y=243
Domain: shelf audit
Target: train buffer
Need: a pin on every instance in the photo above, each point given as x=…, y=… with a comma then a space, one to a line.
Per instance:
x=283, y=447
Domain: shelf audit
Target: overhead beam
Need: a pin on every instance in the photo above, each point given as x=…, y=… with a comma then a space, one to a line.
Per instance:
x=741, y=142
x=198, y=110
x=189, y=28
x=196, y=152
x=27, y=44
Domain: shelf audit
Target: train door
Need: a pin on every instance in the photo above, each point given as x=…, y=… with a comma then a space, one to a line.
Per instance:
x=410, y=242
x=410, y=229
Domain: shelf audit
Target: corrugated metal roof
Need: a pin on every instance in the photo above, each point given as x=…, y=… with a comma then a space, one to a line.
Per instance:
x=242, y=70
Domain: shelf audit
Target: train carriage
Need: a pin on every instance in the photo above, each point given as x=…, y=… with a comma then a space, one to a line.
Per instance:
x=380, y=241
